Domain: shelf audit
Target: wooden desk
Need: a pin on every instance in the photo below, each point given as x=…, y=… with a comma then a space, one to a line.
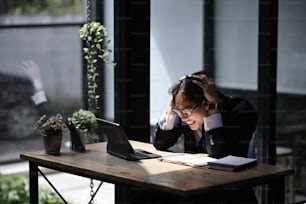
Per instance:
x=153, y=174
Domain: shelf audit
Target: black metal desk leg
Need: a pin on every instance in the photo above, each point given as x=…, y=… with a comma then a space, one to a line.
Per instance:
x=33, y=183
x=276, y=193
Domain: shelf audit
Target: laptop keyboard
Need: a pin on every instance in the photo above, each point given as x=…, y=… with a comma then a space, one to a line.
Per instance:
x=142, y=154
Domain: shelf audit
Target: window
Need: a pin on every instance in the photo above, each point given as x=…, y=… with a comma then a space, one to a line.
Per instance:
x=46, y=33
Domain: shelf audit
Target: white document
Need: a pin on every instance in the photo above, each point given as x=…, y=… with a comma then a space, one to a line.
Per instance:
x=194, y=160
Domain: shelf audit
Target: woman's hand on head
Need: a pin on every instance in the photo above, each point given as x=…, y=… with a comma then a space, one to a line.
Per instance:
x=169, y=109
x=208, y=87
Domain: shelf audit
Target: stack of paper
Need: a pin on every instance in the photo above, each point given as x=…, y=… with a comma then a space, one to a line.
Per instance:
x=188, y=159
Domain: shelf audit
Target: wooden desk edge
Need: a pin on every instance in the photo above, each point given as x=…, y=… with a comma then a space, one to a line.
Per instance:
x=279, y=172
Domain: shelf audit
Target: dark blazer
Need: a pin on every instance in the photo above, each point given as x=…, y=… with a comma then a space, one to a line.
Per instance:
x=239, y=122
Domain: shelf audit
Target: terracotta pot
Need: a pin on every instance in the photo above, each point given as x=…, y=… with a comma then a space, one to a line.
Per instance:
x=52, y=144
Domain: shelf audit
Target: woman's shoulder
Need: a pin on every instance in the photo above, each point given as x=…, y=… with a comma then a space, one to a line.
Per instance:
x=237, y=102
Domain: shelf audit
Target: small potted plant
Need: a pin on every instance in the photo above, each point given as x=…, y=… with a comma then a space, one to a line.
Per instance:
x=51, y=128
x=86, y=121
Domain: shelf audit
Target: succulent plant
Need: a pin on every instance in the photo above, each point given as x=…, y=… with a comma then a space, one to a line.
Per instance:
x=84, y=119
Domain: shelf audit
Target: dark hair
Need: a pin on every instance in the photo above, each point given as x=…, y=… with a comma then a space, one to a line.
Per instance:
x=189, y=90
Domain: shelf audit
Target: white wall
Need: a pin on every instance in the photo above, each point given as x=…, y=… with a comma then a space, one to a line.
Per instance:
x=176, y=47
x=292, y=47
x=109, y=69
x=236, y=43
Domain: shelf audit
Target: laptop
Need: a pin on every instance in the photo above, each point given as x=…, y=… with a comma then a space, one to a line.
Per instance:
x=118, y=143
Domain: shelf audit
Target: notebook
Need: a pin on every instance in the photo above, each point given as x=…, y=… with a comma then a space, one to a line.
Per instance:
x=118, y=143
x=232, y=163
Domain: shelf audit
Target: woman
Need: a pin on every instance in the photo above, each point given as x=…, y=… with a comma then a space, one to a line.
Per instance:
x=210, y=122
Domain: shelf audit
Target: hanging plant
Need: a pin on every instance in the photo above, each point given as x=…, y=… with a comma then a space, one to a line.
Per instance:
x=96, y=48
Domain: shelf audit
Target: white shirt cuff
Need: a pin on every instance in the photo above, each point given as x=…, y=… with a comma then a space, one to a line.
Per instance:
x=39, y=97
x=166, y=122
x=212, y=122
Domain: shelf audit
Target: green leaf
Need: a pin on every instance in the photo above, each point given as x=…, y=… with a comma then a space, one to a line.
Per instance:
x=98, y=46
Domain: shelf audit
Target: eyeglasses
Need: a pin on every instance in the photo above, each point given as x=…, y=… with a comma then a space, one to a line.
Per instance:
x=185, y=112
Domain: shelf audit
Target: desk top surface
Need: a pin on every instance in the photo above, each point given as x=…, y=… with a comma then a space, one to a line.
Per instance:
x=152, y=173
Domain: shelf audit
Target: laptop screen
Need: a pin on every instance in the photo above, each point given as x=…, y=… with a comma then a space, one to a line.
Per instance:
x=117, y=141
